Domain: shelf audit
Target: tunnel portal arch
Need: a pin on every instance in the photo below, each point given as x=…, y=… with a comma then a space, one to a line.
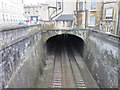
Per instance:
x=64, y=40
x=51, y=33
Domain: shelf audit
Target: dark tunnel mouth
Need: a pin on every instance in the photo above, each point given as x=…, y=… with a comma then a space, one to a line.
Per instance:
x=64, y=40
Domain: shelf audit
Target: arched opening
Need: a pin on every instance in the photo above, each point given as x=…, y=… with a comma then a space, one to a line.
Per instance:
x=64, y=64
x=57, y=43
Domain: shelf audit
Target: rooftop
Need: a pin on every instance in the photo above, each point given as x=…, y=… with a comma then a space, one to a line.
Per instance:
x=65, y=17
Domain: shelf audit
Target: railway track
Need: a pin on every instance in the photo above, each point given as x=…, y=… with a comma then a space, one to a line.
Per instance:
x=75, y=70
x=68, y=70
x=57, y=70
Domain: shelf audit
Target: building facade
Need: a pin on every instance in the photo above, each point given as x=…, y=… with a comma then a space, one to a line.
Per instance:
x=11, y=12
x=60, y=7
x=65, y=21
x=88, y=13
x=62, y=11
x=39, y=10
x=102, y=15
x=109, y=21
x=118, y=26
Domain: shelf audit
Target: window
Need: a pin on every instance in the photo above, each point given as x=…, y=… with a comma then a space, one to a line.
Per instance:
x=3, y=17
x=92, y=20
x=93, y=4
x=0, y=16
x=59, y=5
x=2, y=5
x=7, y=17
x=109, y=13
x=80, y=5
x=11, y=18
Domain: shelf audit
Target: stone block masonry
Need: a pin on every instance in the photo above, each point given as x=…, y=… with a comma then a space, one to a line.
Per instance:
x=22, y=57
x=101, y=55
x=8, y=34
x=21, y=60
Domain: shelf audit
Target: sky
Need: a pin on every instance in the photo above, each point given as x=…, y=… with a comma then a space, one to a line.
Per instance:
x=28, y=2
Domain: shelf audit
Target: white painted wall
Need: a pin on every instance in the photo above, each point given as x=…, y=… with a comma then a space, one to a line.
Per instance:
x=69, y=6
x=44, y=12
x=63, y=25
x=12, y=11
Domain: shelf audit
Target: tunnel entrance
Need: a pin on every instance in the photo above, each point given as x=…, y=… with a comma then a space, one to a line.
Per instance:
x=64, y=65
x=57, y=43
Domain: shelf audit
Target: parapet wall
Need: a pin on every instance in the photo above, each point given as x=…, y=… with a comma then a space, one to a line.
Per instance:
x=21, y=60
x=101, y=55
x=9, y=34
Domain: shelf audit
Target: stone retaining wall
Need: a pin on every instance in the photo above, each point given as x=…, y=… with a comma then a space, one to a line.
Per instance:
x=21, y=61
x=22, y=57
x=101, y=55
